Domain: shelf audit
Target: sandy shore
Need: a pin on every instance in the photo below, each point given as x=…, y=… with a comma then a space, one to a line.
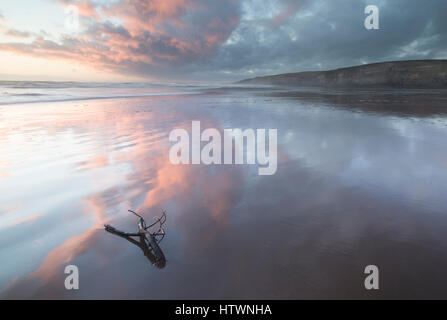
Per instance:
x=353, y=188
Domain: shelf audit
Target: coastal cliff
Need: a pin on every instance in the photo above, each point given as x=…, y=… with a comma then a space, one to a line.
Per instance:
x=395, y=74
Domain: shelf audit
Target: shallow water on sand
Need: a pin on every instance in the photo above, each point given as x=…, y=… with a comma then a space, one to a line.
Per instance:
x=354, y=187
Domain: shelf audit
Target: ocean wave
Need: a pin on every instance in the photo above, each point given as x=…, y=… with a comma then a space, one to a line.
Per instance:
x=68, y=85
x=20, y=92
x=49, y=98
x=27, y=94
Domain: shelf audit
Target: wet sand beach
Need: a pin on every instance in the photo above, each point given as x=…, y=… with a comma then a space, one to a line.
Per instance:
x=361, y=180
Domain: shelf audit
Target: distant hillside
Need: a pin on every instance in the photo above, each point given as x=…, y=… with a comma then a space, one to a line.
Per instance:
x=396, y=74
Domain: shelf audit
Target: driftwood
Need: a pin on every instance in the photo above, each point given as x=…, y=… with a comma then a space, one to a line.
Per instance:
x=146, y=240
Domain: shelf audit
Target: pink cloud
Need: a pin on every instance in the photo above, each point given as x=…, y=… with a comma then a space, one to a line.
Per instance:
x=289, y=11
x=151, y=37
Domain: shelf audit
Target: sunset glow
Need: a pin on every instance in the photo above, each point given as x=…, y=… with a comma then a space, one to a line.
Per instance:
x=185, y=40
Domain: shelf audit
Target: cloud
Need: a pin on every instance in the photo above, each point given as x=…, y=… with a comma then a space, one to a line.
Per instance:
x=185, y=39
x=142, y=38
x=11, y=32
x=330, y=34
x=17, y=33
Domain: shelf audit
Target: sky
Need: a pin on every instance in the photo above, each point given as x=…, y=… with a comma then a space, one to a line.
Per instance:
x=207, y=40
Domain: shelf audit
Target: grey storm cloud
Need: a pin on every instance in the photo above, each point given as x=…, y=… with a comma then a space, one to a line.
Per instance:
x=229, y=40
x=324, y=35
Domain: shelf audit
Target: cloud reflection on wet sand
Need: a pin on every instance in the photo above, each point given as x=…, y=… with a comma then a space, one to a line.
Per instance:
x=134, y=141
x=351, y=189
